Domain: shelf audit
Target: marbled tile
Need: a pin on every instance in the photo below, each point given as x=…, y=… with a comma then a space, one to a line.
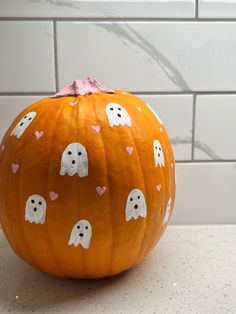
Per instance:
x=215, y=127
x=205, y=193
x=11, y=106
x=217, y=9
x=107, y=8
x=176, y=113
x=26, y=56
x=149, y=56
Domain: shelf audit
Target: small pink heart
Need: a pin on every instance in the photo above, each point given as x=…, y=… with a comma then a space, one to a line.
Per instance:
x=15, y=168
x=101, y=190
x=158, y=187
x=161, y=130
x=73, y=103
x=53, y=195
x=129, y=149
x=140, y=109
x=172, y=165
x=38, y=134
x=3, y=147
x=96, y=128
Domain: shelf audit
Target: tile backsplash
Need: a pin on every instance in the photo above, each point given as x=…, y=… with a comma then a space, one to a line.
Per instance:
x=179, y=56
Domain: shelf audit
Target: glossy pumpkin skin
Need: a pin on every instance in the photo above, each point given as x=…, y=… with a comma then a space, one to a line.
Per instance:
x=116, y=244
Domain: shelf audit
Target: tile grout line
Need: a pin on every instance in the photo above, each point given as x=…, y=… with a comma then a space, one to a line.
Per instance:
x=193, y=126
x=55, y=54
x=194, y=19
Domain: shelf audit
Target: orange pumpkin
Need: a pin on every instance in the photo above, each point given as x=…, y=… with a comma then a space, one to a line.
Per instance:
x=87, y=182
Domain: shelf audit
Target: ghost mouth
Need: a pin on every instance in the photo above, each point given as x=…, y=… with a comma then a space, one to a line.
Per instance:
x=35, y=209
x=119, y=115
x=135, y=206
x=81, y=234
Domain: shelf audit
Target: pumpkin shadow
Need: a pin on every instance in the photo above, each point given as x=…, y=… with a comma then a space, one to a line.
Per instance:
x=23, y=289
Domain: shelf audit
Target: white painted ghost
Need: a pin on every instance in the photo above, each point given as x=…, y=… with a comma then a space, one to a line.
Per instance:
x=23, y=124
x=158, y=154
x=117, y=115
x=74, y=160
x=135, y=205
x=81, y=234
x=155, y=114
x=35, y=209
x=167, y=214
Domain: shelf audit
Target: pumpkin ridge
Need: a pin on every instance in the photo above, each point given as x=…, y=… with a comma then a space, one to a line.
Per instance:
x=145, y=187
x=48, y=189
x=18, y=197
x=108, y=186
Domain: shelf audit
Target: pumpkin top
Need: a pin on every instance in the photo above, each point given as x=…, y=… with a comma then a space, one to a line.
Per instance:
x=83, y=87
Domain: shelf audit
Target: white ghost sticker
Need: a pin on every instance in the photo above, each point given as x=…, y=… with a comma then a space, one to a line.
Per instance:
x=23, y=124
x=74, y=160
x=117, y=115
x=135, y=205
x=167, y=214
x=155, y=114
x=81, y=234
x=158, y=154
x=35, y=209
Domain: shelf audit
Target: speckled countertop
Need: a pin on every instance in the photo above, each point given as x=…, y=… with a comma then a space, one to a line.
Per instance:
x=192, y=270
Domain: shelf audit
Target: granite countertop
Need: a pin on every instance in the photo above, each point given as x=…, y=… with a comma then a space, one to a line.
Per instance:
x=192, y=270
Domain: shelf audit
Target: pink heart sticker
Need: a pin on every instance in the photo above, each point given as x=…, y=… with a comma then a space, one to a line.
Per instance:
x=96, y=128
x=15, y=168
x=129, y=149
x=73, y=103
x=140, y=109
x=38, y=134
x=161, y=130
x=158, y=187
x=172, y=165
x=101, y=190
x=53, y=195
x=3, y=147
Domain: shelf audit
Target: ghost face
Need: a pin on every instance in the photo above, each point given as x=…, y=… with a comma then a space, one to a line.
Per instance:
x=35, y=209
x=167, y=214
x=155, y=114
x=135, y=205
x=23, y=124
x=117, y=115
x=158, y=154
x=81, y=234
x=74, y=160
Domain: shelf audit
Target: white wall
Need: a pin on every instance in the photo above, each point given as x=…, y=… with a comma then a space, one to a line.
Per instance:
x=179, y=56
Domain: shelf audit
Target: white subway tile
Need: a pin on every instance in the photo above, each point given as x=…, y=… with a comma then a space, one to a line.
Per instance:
x=215, y=127
x=217, y=9
x=205, y=194
x=88, y=8
x=11, y=106
x=176, y=113
x=149, y=56
x=26, y=56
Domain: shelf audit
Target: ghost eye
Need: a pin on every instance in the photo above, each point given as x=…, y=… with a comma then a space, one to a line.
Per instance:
x=69, y=153
x=30, y=119
x=119, y=108
x=159, y=148
x=78, y=227
x=86, y=227
x=25, y=117
x=155, y=147
x=40, y=203
x=131, y=199
x=111, y=109
x=139, y=197
x=32, y=201
x=79, y=153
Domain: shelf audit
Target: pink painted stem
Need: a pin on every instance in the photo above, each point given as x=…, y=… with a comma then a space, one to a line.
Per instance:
x=82, y=88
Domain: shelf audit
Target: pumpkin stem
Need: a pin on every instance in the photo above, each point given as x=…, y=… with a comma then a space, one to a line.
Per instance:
x=83, y=87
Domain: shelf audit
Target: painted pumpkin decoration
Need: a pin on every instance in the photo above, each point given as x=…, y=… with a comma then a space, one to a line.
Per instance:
x=87, y=182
